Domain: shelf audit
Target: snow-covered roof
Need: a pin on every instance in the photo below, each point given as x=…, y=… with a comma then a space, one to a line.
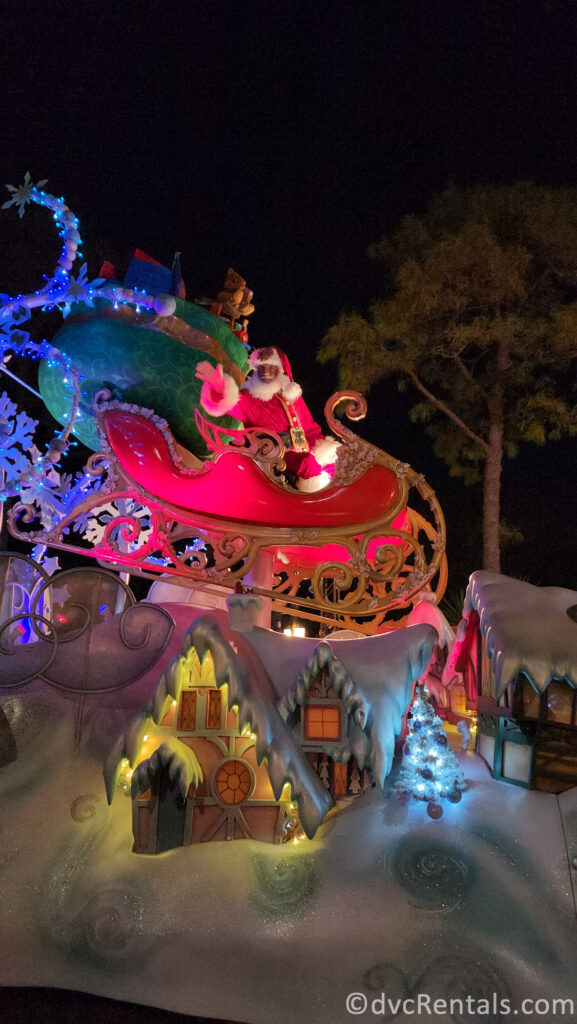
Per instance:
x=374, y=675
x=250, y=689
x=287, y=654
x=182, y=763
x=527, y=629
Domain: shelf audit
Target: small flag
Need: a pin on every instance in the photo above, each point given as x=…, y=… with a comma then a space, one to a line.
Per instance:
x=140, y=255
x=178, y=287
x=107, y=270
x=147, y=274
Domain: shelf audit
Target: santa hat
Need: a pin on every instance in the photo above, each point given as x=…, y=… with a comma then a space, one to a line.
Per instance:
x=271, y=356
x=275, y=357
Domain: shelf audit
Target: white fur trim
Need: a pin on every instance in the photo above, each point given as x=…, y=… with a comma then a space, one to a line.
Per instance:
x=226, y=402
x=265, y=390
x=291, y=390
x=309, y=484
x=325, y=451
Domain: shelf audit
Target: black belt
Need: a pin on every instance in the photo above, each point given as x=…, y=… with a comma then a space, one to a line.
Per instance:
x=287, y=440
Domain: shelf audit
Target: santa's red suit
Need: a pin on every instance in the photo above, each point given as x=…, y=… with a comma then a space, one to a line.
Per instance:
x=273, y=405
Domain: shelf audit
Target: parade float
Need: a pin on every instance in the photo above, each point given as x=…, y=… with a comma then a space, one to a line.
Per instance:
x=193, y=798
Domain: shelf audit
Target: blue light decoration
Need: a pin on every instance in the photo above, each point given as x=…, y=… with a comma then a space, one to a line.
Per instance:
x=24, y=471
x=44, y=491
x=61, y=289
x=131, y=339
x=429, y=769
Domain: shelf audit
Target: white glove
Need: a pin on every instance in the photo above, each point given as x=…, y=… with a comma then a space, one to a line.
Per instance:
x=213, y=375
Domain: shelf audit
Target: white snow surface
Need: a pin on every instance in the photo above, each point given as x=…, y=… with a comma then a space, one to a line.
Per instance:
x=527, y=629
x=383, y=899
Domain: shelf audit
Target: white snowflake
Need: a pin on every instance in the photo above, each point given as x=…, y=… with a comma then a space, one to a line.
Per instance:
x=11, y=318
x=80, y=289
x=50, y=565
x=47, y=500
x=97, y=524
x=16, y=439
x=22, y=194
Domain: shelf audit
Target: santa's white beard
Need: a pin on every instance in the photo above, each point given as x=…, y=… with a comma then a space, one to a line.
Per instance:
x=265, y=390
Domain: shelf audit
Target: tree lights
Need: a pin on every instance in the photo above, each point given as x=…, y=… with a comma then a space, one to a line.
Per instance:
x=429, y=770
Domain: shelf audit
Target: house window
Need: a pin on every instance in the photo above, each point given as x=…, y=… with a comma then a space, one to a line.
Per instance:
x=559, y=703
x=187, y=716
x=486, y=674
x=322, y=722
x=232, y=782
x=527, y=700
x=459, y=700
x=214, y=709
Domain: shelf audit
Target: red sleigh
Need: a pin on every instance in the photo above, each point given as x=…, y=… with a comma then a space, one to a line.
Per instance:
x=354, y=550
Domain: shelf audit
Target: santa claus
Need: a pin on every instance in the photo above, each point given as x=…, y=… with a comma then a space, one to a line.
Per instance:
x=270, y=399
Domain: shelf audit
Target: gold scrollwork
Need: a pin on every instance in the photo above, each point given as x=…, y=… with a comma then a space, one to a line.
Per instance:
x=263, y=445
x=384, y=564
x=354, y=409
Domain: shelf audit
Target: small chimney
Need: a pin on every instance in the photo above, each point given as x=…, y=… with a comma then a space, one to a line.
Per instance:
x=243, y=611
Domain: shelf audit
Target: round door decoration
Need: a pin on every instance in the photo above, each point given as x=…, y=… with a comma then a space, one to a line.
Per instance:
x=233, y=781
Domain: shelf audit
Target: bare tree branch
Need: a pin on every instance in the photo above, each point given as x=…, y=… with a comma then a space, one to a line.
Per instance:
x=440, y=405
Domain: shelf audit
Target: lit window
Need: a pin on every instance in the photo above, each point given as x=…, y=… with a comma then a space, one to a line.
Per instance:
x=214, y=709
x=232, y=782
x=187, y=717
x=322, y=723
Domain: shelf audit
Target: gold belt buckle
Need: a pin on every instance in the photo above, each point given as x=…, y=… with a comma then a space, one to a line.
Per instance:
x=299, y=439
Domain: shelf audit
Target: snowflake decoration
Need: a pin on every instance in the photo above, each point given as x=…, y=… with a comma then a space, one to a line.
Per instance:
x=80, y=289
x=55, y=494
x=22, y=194
x=11, y=316
x=16, y=439
x=45, y=498
x=50, y=565
x=96, y=524
x=84, y=486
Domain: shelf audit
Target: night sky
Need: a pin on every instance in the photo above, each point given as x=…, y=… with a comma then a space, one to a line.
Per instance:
x=282, y=138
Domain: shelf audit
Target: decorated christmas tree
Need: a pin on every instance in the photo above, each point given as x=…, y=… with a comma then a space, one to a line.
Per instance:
x=429, y=769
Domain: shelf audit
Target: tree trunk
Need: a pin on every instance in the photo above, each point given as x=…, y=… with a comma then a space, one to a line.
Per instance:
x=492, y=476
x=492, y=499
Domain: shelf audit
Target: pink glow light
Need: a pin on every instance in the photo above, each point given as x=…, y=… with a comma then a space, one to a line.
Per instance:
x=235, y=487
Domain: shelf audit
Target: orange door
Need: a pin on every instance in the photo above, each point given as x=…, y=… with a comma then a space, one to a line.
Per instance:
x=339, y=779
